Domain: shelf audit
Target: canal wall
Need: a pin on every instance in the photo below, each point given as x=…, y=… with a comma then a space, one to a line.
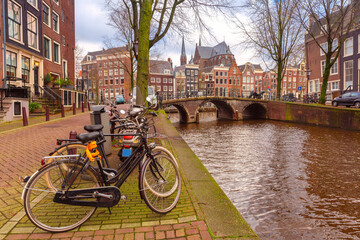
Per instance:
x=211, y=203
x=345, y=118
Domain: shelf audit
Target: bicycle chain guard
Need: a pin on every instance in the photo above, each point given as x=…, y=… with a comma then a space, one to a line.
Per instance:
x=92, y=197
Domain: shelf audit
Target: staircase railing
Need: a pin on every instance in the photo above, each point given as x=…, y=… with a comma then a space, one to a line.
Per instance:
x=12, y=90
x=53, y=92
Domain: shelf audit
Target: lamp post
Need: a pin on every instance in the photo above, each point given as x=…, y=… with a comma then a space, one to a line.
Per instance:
x=36, y=78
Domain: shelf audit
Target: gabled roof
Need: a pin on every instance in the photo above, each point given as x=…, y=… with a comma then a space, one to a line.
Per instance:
x=109, y=51
x=159, y=67
x=209, y=52
x=253, y=66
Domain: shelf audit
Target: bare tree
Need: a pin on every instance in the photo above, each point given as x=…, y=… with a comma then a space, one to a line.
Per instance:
x=328, y=23
x=273, y=31
x=79, y=55
x=151, y=20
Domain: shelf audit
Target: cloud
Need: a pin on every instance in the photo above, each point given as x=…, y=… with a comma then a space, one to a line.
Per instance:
x=90, y=22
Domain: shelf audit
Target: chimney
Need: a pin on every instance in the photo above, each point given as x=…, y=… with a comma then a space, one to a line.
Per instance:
x=169, y=60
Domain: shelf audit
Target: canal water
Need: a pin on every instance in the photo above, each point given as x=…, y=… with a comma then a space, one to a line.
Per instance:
x=289, y=181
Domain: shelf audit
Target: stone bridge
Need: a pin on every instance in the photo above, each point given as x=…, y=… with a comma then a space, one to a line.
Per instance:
x=227, y=108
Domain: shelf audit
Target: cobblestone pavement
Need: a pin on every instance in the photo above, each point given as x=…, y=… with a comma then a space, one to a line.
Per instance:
x=21, y=152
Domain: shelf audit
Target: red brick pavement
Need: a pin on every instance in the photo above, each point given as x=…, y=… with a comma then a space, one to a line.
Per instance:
x=21, y=152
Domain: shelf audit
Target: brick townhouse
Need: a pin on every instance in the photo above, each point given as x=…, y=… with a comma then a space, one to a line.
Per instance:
x=161, y=77
x=34, y=47
x=106, y=74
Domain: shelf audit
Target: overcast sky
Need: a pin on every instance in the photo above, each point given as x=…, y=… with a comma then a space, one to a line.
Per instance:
x=91, y=29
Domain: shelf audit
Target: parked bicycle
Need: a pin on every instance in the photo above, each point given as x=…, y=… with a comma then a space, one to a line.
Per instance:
x=64, y=193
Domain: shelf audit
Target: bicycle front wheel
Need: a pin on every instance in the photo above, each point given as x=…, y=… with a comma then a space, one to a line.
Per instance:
x=160, y=183
x=38, y=197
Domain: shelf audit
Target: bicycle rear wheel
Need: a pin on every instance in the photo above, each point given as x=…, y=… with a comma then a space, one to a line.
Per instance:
x=160, y=183
x=38, y=197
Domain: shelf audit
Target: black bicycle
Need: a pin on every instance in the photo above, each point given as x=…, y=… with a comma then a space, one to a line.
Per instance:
x=63, y=194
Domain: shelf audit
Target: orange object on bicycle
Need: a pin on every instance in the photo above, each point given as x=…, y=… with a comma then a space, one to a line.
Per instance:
x=91, y=151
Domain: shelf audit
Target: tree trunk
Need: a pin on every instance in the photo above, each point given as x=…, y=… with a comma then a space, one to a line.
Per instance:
x=326, y=75
x=279, y=78
x=143, y=55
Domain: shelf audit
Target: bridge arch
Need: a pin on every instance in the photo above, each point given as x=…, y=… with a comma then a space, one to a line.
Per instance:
x=225, y=110
x=254, y=111
x=183, y=113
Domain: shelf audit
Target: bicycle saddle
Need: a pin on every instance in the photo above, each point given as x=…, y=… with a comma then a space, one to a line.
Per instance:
x=93, y=128
x=86, y=137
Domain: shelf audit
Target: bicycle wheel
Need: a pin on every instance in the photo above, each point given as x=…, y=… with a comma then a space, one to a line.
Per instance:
x=38, y=197
x=160, y=183
x=159, y=150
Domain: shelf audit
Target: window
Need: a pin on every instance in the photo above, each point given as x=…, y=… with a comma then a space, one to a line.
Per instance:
x=110, y=72
x=111, y=81
x=33, y=2
x=164, y=80
x=325, y=47
x=100, y=73
x=221, y=73
x=116, y=72
x=65, y=70
x=63, y=40
x=17, y=109
x=322, y=67
x=348, y=71
x=56, y=52
x=47, y=48
x=170, y=80
x=334, y=45
x=121, y=71
x=158, y=88
x=317, y=86
x=56, y=22
x=165, y=88
x=225, y=74
x=56, y=1
x=116, y=81
x=25, y=68
x=170, y=88
x=334, y=68
x=348, y=47
x=335, y=85
x=122, y=80
x=105, y=72
x=158, y=80
x=153, y=80
x=46, y=14
x=14, y=20
x=62, y=15
x=32, y=25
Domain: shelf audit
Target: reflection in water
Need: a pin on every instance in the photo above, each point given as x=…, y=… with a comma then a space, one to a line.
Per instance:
x=289, y=181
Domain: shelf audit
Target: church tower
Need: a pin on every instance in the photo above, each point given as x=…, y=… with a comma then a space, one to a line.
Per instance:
x=183, y=53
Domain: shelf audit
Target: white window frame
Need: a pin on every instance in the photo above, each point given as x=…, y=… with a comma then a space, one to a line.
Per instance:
x=58, y=22
x=164, y=88
x=65, y=71
x=56, y=2
x=338, y=84
x=36, y=4
x=324, y=46
x=21, y=23
x=50, y=48
x=352, y=81
x=49, y=15
x=59, y=46
x=333, y=67
x=322, y=67
x=352, y=47
x=37, y=32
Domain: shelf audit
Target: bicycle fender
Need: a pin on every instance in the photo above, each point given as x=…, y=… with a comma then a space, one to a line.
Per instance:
x=27, y=183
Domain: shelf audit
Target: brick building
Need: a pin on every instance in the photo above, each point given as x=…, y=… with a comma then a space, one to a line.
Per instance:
x=252, y=75
x=59, y=38
x=106, y=74
x=161, y=76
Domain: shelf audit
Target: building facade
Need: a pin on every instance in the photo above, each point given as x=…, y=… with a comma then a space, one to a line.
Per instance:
x=106, y=74
x=252, y=75
x=161, y=76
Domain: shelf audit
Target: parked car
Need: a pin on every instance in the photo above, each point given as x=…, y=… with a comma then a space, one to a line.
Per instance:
x=120, y=99
x=347, y=99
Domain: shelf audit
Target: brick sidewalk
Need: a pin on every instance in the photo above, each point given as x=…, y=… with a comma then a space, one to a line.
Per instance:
x=22, y=150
